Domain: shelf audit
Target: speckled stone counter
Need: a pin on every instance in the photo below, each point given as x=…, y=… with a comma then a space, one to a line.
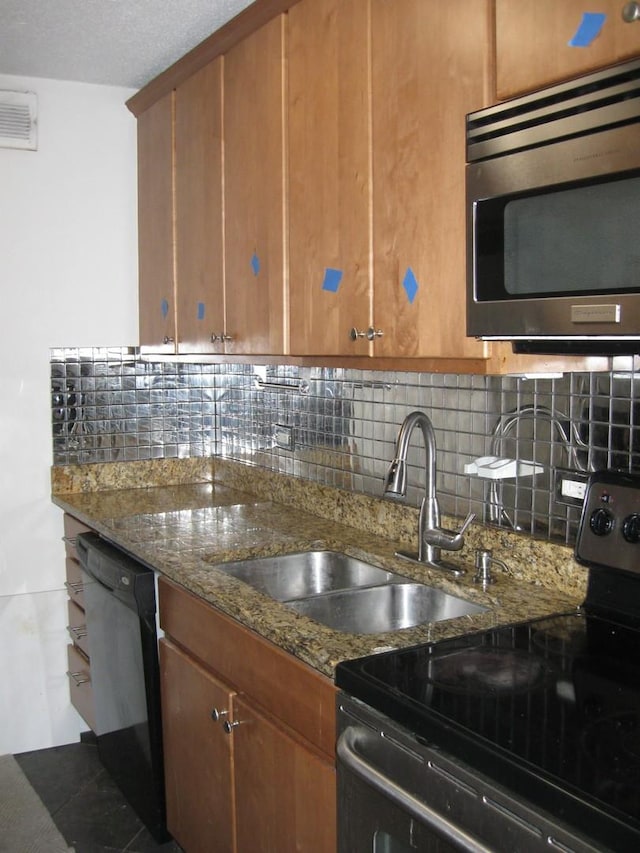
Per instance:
x=185, y=529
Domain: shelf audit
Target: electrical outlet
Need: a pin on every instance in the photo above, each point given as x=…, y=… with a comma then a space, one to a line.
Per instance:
x=570, y=486
x=283, y=436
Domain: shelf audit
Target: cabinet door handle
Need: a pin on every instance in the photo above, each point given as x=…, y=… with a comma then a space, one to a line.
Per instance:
x=230, y=725
x=74, y=587
x=168, y=340
x=372, y=333
x=631, y=12
x=354, y=334
x=217, y=714
x=220, y=338
x=77, y=631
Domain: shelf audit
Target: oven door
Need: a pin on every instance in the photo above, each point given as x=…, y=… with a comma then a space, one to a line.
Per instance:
x=400, y=795
x=378, y=815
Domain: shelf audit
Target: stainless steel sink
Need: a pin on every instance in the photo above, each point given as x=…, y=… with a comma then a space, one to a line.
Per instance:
x=294, y=576
x=384, y=608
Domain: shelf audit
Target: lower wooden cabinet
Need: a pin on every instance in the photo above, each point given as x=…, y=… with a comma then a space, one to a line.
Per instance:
x=79, y=660
x=249, y=737
x=198, y=754
x=80, y=689
x=285, y=792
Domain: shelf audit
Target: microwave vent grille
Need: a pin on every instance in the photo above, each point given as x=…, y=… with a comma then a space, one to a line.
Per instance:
x=599, y=101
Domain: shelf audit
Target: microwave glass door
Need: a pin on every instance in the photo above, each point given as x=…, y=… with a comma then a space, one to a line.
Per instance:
x=577, y=239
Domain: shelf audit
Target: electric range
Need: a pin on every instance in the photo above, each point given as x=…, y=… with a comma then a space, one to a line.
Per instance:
x=548, y=709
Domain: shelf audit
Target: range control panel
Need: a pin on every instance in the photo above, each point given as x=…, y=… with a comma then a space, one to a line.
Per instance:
x=609, y=532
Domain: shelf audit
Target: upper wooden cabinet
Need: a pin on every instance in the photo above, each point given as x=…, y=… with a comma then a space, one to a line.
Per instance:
x=329, y=176
x=211, y=246
x=156, y=286
x=302, y=192
x=546, y=41
x=254, y=178
x=198, y=212
x=431, y=65
x=377, y=96
x=181, y=297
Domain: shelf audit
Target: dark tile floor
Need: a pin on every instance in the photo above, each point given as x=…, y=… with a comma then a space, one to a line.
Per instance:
x=84, y=802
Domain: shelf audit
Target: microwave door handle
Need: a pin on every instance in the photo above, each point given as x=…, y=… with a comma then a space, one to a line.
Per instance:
x=354, y=736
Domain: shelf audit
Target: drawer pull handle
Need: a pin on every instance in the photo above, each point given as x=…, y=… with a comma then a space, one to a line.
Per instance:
x=77, y=631
x=230, y=725
x=74, y=587
x=79, y=677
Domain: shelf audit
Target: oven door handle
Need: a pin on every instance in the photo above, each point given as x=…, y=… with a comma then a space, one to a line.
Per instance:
x=352, y=743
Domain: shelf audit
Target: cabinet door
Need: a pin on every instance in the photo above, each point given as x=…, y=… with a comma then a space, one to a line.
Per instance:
x=197, y=754
x=329, y=176
x=157, y=299
x=546, y=41
x=254, y=192
x=430, y=67
x=285, y=793
x=198, y=223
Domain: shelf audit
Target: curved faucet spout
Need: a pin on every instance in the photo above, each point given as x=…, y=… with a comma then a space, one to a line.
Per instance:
x=396, y=480
x=431, y=537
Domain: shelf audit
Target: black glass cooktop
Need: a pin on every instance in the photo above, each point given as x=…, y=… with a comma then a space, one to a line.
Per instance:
x=549, y=708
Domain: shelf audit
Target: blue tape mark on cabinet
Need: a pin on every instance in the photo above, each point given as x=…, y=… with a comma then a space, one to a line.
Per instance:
x=164, y=308
x=332, y=279
x=410, y=284
x=255, y=264
x=200, y=311
x=589, y=29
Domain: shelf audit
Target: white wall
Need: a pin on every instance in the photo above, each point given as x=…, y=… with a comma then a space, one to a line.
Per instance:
x=68, y=277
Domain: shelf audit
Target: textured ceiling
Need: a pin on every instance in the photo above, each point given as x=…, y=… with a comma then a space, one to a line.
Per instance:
x=110, y=42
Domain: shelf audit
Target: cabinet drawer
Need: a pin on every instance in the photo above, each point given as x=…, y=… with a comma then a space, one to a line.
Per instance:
x=72, y=527
x=77, y=627
x=80, y=689
x=304, y=699
x=73, y=583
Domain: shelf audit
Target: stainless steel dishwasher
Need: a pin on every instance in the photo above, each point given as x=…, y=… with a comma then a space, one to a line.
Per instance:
x=120, y=607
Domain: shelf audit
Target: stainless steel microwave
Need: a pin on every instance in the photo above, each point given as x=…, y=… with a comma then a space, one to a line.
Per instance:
x=553, y=217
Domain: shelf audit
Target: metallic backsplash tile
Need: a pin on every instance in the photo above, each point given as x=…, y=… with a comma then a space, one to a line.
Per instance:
x=109, y=405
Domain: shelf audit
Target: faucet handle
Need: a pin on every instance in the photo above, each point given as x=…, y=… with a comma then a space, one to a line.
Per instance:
x=446, y=539
x=466, y=523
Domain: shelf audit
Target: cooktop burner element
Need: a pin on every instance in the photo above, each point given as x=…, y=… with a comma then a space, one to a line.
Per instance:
x=550, y=709
x=486, y=670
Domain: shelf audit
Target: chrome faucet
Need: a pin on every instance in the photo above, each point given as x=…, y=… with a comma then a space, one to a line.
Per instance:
x=431, y=537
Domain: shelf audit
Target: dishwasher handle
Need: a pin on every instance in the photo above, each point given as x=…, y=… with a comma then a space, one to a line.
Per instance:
x=85, y=544
x=82, y=549
x=354, y=737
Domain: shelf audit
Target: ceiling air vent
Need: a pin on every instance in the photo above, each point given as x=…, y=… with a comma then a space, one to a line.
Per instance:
x=18, y=120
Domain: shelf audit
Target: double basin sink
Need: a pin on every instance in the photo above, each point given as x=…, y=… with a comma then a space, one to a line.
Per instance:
x=348, y=594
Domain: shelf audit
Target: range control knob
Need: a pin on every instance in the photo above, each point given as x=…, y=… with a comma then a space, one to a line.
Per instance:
x=601, y=522
x=631, y=528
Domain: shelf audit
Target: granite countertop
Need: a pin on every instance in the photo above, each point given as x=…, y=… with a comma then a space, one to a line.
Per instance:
x=184, y=531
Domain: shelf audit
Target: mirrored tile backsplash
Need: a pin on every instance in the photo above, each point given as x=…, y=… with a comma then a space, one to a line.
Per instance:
x=338, y=427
